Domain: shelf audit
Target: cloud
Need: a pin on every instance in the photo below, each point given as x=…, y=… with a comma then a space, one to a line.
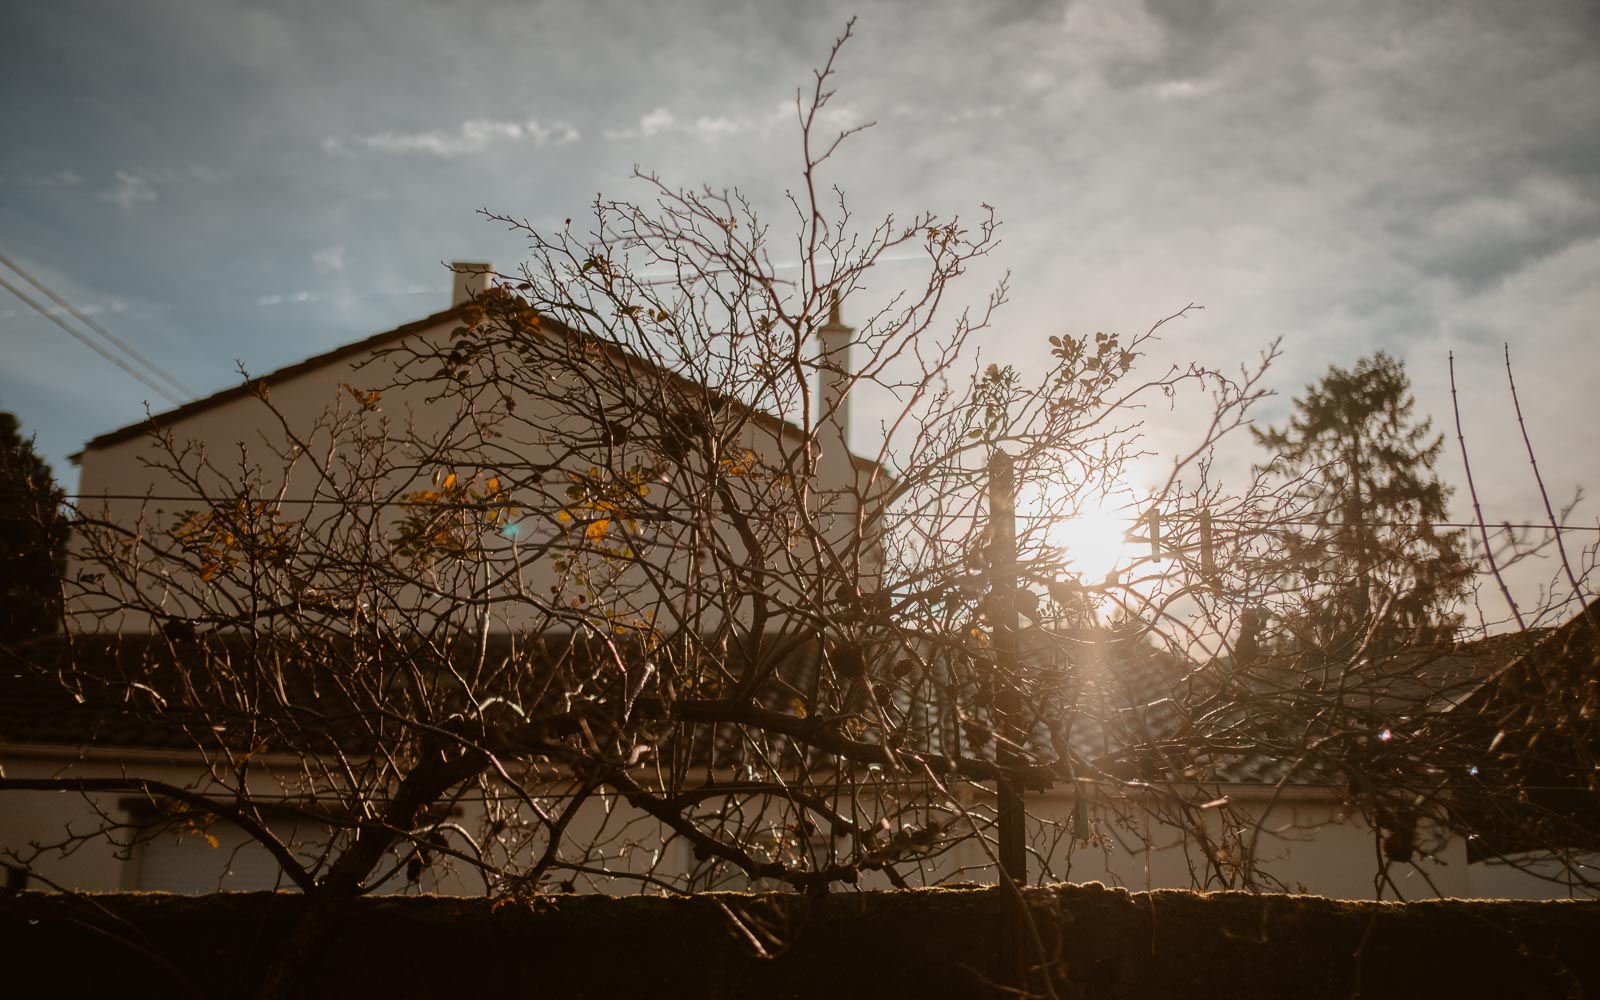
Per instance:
x=841, y=116
x=86, y=309
x=1480, y=239
x=661, y=121
x=473, y=136
x=290, y=297
x=328, y=259
x=654, y=122
x=180, y=175
x=711, y=127
x=131, y=190
x=1184, y=90
x=1109, y=29
x=61, y=178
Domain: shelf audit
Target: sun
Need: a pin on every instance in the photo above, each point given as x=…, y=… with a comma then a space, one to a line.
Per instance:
x=1094, y=543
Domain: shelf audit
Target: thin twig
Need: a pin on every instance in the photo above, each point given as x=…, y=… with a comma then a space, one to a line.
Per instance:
x=1544, y=494
x=1477, y=508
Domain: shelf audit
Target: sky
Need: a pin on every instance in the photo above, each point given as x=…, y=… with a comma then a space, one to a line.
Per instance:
x=243, y=183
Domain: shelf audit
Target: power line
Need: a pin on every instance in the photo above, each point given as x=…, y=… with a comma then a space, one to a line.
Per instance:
x=97, y=328
x=41, y=310
x=1240, y=522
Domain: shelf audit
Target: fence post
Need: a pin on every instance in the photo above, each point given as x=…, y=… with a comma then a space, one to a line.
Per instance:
x=1008, y=709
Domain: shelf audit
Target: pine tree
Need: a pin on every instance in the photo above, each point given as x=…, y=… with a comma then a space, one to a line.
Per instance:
x=32, y=538
x=1369, y=567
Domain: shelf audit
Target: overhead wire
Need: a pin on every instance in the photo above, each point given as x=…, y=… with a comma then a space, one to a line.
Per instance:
x=1218, y=521
x=88, y=321
x=100, y=330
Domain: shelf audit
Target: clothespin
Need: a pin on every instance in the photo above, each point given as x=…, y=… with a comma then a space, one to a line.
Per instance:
x=1155, y=534
x=1208, y=561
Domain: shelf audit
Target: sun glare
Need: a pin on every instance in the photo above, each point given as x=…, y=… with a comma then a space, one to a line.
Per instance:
x=1093, y=544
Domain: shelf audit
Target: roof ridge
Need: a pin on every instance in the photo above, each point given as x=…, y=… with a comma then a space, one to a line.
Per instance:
x=195, y=406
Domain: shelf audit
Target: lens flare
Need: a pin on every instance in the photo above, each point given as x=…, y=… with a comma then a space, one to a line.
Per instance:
x=1093, y=544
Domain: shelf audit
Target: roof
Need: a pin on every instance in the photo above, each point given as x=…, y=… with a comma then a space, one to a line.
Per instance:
x=247, y=388
x=184, y=690
x=181, y=691
x=1203, y=719
x=37, y=708
x=136, y=692
x=1535, y=727
x=376, y=342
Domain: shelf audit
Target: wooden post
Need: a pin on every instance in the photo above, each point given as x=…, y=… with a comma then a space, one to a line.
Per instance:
x=1008, y=710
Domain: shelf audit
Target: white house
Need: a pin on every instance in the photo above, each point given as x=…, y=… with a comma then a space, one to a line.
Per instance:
x=1302, y=835
x=274, y=431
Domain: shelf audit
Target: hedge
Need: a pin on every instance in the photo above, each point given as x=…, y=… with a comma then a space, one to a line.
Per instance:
x=923, y=943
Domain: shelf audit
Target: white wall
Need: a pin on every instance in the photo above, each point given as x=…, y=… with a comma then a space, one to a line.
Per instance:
x=242, y=436
x=1306, y=842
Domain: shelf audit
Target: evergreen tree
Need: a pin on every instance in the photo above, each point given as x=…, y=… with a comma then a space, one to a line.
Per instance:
x=33, y=536
x=1367, y=563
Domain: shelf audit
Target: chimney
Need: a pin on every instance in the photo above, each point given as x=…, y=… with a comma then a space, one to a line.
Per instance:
x=472, y=279
x=835, y=470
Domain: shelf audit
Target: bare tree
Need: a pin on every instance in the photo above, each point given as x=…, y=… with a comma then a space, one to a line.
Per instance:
x=634, y=562
x=593, y=576
x=1321, y=645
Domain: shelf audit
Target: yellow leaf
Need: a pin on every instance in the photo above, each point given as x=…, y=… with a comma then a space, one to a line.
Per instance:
x=450, y=481
x=563, y=516
x=597, y=529
x=214, y=842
